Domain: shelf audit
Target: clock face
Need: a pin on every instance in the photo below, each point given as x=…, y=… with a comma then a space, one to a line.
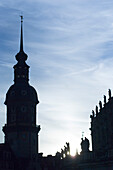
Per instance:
x=23, y=109
x=12, y=93
x=23, y=92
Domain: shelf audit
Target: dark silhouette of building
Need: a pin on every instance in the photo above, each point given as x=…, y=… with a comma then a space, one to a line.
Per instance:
x=21, y=131
x=20, y=149
x=102, y=127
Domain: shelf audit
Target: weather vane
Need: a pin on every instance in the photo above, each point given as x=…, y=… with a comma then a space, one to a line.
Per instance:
x=21, y=16
x=82, y=135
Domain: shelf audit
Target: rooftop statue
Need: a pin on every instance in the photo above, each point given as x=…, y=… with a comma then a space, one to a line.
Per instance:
x=104, y=99
x=85, y=145
x=100, y=104
x=109, y=93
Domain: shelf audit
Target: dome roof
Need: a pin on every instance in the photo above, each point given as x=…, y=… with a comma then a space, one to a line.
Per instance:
x=21, y=92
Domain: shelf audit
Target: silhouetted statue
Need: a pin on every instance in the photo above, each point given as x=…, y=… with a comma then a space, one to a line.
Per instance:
x=100, y=104
x=96, y=110
x=104, y=99
x=109, y=92
x=68, y=148
x=65, y=150
x=93, y=113
x=62, y=153
x=85, y=145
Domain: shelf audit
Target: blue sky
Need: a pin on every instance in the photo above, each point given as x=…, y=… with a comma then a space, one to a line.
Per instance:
x=70, y=48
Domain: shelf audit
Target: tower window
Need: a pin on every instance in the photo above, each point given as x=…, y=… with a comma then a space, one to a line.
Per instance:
x=23, y=108
x=13, y=109
x=33, y=119
x=34, y=141
x=24, y=136
x=13, y=118
x=12, y=93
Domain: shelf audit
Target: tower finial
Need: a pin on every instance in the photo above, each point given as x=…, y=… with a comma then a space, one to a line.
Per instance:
x=21, y=38
x=82, y=135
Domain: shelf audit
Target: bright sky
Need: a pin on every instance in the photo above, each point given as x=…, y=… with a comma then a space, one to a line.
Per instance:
x=70, y=48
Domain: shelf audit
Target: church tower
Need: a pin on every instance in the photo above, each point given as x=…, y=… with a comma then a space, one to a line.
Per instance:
x=21, y=131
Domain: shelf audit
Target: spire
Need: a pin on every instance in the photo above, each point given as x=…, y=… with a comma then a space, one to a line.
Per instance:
x=21, y=69
x=21, y=56
x=21, y=38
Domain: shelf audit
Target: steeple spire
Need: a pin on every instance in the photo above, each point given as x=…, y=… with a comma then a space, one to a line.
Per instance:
x=21, y=38
x=21, y=69
x=21, y=56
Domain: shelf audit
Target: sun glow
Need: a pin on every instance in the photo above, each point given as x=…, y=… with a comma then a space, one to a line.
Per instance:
x=74, y=148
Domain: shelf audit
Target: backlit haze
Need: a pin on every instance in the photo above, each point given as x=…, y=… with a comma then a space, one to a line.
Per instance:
x=70, y=52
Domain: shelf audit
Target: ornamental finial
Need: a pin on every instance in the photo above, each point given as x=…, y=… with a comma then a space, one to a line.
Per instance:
x=21, y=16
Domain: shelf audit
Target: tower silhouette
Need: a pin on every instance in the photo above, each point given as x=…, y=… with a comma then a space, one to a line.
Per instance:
x=21, y=130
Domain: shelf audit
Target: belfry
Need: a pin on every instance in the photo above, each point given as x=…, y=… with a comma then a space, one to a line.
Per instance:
x=21, y=130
